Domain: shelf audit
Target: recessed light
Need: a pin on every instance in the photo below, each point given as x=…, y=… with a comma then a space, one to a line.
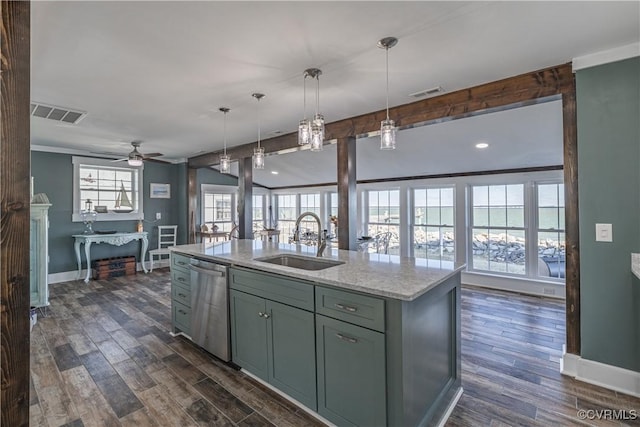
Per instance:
x=482, y=145
x=275, y=172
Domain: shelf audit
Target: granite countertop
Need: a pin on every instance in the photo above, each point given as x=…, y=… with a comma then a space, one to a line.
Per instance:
x=635, y=264
x=376, y=274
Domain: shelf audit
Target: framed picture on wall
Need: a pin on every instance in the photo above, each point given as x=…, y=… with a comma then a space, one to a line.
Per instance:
x=159, y=191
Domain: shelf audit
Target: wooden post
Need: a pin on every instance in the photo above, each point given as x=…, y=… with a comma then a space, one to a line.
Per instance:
x=347, y=195
x=245, y=198
x=15, y=167
x=572, y=231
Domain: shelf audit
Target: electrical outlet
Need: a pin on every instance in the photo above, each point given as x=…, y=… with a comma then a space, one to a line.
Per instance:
x=158, y=215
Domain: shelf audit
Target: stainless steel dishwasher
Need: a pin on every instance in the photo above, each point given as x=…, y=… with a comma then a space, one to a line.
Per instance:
x=210, y=308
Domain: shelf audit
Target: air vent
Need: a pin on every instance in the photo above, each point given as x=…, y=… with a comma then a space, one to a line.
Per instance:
x=427, y=92
x=58, y=114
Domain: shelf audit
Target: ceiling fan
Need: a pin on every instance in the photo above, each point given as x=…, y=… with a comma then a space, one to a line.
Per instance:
x=135, y=157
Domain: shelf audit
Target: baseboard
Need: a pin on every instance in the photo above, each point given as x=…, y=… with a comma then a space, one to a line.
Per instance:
x=601, y=374
x=515, y=284
x=72, y=276
x=450, y=408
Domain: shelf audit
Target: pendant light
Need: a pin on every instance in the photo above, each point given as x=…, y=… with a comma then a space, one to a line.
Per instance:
x=317, y=124
x=387, y=127
x=304, y=127
x=258, y=152
x=225, y=161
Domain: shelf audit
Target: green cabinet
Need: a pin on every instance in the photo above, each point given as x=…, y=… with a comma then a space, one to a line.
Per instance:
x=351, y=373
x=180, y=294
x=273, y=340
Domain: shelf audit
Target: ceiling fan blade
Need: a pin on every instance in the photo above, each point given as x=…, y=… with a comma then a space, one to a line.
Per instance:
x=148, y=156
x=120, y=160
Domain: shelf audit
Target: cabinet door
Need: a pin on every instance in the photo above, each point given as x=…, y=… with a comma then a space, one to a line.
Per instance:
x=249, y=333
x=351, y=373
x=292, y=352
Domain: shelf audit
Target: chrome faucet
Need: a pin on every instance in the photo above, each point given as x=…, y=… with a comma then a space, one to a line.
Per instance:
x=322, y=236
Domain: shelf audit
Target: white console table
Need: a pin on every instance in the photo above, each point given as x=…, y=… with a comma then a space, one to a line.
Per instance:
x=116, y=239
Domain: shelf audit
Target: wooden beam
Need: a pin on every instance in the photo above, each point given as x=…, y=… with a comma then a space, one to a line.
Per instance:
x=15, y=166
x=245, y=198
x=572, y=223
x=494, y=96
x=192, y=188
x=347, y=196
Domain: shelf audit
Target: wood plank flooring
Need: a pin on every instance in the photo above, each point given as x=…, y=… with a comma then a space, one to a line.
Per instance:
x=103, y=356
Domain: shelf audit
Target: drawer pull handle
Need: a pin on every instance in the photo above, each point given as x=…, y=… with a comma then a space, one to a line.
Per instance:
x=182, y=312
x=346, y=338
x=182, y=279
x=182, y=295
x=265, y=315
x=181, y=262
x=346, y=307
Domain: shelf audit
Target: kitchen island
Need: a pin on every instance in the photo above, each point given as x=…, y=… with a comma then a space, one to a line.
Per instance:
x=372, y=341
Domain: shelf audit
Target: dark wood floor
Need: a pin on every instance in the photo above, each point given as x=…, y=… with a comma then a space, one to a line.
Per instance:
x=103, y=357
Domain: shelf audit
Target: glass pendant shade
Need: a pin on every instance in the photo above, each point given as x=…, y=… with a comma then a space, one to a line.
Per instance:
x=317, y=132
x=135, y=162
x=387, y=135
x=258, y=158
x=304, y=132
x=225, y=164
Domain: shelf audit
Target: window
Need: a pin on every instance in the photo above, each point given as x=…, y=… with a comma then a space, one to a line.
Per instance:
x=383, y=220
x=433, y=224
x=498, y=238
x=551, y=230
x=310, y=203
x=114, y=186
x=287, y=214
x=258, y=213
x=218, y=207
x=333, y=204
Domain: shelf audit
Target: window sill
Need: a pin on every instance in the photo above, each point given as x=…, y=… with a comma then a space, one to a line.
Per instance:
x=112, y=216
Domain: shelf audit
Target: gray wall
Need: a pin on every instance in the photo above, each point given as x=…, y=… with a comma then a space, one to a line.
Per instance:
x=608, y=99
x=53, y=175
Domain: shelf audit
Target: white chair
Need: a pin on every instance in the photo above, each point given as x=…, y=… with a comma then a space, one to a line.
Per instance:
x=167, y=235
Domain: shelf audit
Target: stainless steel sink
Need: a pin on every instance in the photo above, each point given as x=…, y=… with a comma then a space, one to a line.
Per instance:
x=301, y=262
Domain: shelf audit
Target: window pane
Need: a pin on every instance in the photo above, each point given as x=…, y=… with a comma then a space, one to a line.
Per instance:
x=515, y=195
x=481, y=217
x=548, y=218
x=497, y=195
x=433, y=215
x=446, y=216
x=481, y=196
x=497, y=217
x=515, y=216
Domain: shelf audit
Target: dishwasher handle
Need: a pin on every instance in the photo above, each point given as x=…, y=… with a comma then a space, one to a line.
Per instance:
x=207, y=271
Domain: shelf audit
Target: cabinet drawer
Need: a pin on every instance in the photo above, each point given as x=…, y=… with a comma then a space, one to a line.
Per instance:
x=179, y=262
x=181, y=277
x=273, y=287
x=181, y=293
x=181, y=316
x=358, y=309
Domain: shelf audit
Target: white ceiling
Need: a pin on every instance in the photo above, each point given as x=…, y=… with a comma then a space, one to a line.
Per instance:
x=159, y=71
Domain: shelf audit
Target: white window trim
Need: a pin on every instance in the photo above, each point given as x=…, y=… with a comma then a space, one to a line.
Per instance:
x=411, y=209
x=109, y=216
x=220, y=189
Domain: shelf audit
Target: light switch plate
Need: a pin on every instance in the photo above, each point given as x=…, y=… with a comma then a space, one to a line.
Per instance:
x=158, y=215
x=604, y=233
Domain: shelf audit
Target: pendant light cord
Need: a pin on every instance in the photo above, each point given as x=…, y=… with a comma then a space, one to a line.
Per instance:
x=225, y=133
x=258, y=123
x=317, y=95
x=387, y=54
x=304, y=98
